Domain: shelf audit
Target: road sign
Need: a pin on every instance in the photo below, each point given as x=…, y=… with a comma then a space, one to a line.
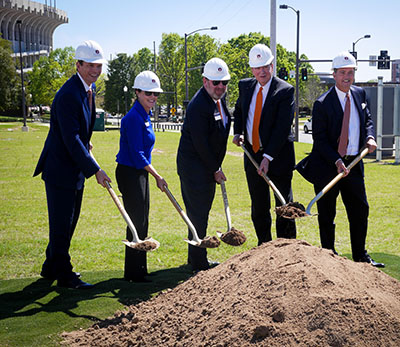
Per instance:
x=173, y=110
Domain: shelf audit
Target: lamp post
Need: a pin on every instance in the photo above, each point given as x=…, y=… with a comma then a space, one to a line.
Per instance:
x=284, y=7
x=186, y=62
x=354, y=53
x=24, y=127
x=126, y=105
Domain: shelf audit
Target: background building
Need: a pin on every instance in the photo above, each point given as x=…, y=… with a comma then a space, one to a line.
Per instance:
x=35, y=21
x=396, y=71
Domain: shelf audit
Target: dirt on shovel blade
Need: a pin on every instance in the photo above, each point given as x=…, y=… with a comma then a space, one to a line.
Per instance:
x=234, y=237
x=210, y=242
x=291, y=210
x=145, y=246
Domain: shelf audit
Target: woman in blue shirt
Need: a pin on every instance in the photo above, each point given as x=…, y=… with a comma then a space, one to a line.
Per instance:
x=133, y=168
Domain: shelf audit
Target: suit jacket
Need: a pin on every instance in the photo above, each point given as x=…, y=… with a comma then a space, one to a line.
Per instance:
x=65, y=160
x=275, y=123
x=319, y=167
x=202, y=145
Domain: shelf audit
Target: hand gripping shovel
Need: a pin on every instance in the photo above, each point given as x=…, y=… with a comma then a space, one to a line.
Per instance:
x=233, y=236
x=338, y=177
x=208, y=242
x=292, y=209
x=148, y=244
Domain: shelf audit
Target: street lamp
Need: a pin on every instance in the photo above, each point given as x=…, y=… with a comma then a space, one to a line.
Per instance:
x=354, y=53
x=126, y=105
x=24, y=127
x=284, y=7
x=186, y=62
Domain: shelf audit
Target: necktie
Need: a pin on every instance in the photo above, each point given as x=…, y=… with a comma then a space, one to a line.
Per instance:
x=219, y=109
x=344, y=134
x=256, y=121
x=90, y=98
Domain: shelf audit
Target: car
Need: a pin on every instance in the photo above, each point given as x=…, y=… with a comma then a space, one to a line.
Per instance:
x=308, y=125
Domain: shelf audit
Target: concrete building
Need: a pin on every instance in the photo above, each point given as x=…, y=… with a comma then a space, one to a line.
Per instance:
x=35, y=21
x=396, y=71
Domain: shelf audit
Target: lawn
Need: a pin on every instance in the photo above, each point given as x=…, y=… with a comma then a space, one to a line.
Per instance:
x=34, y=311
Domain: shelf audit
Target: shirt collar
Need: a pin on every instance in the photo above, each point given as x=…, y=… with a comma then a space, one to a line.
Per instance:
x=265, y=87
x=84, y=83
x=342, y=95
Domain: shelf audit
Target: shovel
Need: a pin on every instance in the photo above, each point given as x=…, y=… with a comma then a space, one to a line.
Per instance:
x=338, y=177
x=233, y=236
x=291, y=210
x=148, y=244
x=208, y=242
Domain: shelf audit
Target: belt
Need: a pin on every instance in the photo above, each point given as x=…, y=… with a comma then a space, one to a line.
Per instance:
x=349, y=157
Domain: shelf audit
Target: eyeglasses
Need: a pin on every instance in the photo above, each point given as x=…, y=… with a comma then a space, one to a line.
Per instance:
x=152, y=93
x=215, y=83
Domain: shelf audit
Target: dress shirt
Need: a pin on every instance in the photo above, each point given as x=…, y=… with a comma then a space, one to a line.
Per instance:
x=252, y=108
x=354, y=123
x=87, y=87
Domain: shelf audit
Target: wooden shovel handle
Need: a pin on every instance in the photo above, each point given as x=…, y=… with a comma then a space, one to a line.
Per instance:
x=266, y=178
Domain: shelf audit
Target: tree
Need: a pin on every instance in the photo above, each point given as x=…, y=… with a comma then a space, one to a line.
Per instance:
x=9, y=86
x=49, y=74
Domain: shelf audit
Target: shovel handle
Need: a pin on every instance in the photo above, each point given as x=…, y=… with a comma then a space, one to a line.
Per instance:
x=226, y=205
x=338, y=177
x=266, y=178
x=183, y=215
x=123, y=212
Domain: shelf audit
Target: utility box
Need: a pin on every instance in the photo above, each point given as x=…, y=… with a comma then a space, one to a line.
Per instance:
x=99, y=122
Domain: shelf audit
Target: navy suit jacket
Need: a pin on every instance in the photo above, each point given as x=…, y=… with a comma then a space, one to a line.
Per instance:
x=327, y=116
x=202, y=145
x=275, y=123
x=65, y=160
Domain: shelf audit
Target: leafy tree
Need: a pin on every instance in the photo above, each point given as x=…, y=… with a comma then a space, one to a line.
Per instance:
x=9, y=85
x=171, y=67
x=49, y=74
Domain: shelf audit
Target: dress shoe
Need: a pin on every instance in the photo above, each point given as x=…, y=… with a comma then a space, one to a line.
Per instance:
x=367, y=259
x=212, y=263
x=52, y=277
x=74, y=283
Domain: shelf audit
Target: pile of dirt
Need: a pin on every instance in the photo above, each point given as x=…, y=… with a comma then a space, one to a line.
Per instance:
x=233, y=237
x=291, y=210
x=282, y=293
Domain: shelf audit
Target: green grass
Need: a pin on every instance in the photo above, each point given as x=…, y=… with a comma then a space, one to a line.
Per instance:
x=33, y=312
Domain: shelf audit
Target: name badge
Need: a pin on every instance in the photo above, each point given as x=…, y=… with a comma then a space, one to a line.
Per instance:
x=217, y=116
x=147, y=124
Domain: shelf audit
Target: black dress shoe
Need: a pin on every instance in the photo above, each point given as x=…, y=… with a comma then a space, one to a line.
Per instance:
x=74, y=283
x=212, y=263
x=367, y=259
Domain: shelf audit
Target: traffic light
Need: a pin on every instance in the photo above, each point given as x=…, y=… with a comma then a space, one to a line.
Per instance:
x=384, y=61
x=283, y=74
x=304, y=76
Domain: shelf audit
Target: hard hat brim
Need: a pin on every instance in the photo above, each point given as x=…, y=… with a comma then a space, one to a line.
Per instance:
x=225, y=78
x=269, y=61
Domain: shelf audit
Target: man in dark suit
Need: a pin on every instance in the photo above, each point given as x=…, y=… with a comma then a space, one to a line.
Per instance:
x=263, y=120
x=201, y=151
x=66, y=161
x=342, y=126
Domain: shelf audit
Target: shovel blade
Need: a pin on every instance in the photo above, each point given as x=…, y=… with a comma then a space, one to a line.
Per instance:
x=147, y=245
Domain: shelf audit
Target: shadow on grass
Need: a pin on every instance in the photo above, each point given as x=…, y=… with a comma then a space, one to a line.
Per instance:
x=41, y=295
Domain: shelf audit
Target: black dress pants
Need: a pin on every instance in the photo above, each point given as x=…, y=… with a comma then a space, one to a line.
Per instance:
x=261, y=201
x=64, y=206
x=134, y=186
x=352, y=190
x=198, y=198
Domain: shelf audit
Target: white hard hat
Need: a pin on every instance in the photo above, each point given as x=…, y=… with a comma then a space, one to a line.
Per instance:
x=91, y=52
x=148, y=82
x=344, y=60
x=260, y=55
x=216, y=70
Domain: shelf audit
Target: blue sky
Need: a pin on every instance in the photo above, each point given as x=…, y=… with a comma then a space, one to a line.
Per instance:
x=327, y=27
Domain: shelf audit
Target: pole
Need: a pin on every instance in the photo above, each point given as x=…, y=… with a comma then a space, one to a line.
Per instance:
x=396, y=124
x=297, y=77
x=24, y=127
x=379, y=119
x=272, y=39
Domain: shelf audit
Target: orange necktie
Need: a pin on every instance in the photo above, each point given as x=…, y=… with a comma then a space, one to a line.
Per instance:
x=344, y=134
x=256, y=121
x=90, y=98
x=219, y=109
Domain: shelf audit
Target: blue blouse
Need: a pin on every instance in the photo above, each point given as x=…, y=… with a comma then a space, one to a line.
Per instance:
x=137, y=138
